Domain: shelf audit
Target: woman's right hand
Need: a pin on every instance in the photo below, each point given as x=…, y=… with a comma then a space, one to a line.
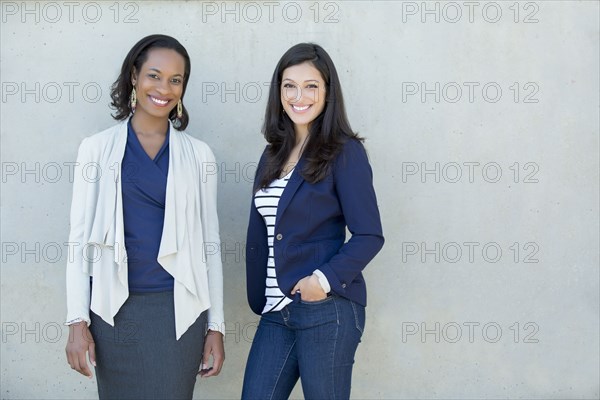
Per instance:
x=310, y=289
x=80, y=342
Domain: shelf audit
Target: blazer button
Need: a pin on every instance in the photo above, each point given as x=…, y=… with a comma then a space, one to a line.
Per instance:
x=279, y=236
x=344, y=285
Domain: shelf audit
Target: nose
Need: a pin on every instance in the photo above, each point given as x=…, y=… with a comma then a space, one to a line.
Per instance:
x=306, y=95
x=298, y=97
x=163, y=86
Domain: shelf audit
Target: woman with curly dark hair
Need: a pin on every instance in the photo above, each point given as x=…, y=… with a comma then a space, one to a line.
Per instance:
x=143, y=299
x=312, y=182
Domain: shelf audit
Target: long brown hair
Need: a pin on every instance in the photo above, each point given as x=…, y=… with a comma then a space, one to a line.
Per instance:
x=327, y=133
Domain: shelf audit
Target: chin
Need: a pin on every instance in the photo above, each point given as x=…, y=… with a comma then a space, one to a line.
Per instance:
x=302, y=121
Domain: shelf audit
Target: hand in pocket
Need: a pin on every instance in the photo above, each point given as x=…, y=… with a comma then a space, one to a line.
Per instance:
x=310, y=289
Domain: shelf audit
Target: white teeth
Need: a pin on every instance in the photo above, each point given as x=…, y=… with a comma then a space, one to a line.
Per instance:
x=300, y=108
x=161, y=102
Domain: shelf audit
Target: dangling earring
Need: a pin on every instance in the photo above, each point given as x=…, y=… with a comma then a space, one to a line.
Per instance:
x=179, y=109
x=177, y=120
x=133, y=100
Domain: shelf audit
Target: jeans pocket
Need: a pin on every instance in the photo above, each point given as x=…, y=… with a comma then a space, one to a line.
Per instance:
x=359, y=316
x=314, y=303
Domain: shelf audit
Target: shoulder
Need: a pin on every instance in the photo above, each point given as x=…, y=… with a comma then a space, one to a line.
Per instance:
x=352, y=152
x=101, y=139
x=264, y=155
x=353, y=145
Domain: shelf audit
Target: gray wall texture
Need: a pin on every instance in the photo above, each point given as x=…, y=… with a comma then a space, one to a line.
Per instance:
x=482, y=126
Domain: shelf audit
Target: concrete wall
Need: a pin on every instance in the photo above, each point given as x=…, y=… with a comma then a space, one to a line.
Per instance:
x=482, y=127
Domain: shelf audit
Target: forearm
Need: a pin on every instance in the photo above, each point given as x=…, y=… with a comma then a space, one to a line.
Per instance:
x=351, y=260
x=77, y=284
x=77, y=279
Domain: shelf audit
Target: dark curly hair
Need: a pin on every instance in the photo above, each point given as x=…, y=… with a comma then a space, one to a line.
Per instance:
x=137, y=56
x=328, y=132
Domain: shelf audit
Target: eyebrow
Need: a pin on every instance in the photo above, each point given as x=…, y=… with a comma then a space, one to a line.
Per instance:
x=308, y=80
x=160, y=72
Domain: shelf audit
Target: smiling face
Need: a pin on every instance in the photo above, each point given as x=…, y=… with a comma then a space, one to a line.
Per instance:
x=302, y=93
x=159, y=83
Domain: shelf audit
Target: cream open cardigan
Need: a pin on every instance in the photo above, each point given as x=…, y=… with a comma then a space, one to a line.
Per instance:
x=189, y=247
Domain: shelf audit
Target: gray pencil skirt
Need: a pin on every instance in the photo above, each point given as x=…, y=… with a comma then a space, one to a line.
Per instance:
x=139, y=357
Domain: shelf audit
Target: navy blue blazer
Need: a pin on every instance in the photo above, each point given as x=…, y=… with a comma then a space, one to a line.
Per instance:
x=310, y=230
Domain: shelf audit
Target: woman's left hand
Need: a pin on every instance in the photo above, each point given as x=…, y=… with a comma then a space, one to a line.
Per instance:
x=310, y=289
x=213, y=345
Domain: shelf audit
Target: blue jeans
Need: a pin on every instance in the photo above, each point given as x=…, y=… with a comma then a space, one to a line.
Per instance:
x=313, y=341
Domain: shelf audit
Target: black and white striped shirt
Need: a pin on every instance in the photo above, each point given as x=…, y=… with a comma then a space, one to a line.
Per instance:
x=266, y=201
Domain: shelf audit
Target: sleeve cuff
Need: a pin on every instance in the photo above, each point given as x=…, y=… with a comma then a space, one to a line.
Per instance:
x=215, y=322
x=76, y=320
x=323, y=280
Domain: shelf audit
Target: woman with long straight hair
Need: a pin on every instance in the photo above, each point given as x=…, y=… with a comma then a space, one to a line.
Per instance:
x=312, y=182
x=143, y=298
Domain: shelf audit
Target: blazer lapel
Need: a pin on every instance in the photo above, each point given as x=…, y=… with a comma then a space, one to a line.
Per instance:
x=108, y=186
x=171, y=229
x=118, y=235
x=290, y=189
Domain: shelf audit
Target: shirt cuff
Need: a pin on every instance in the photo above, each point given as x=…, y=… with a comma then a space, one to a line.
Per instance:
x=217, y=327
x=76, y=320
x=323, y=280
